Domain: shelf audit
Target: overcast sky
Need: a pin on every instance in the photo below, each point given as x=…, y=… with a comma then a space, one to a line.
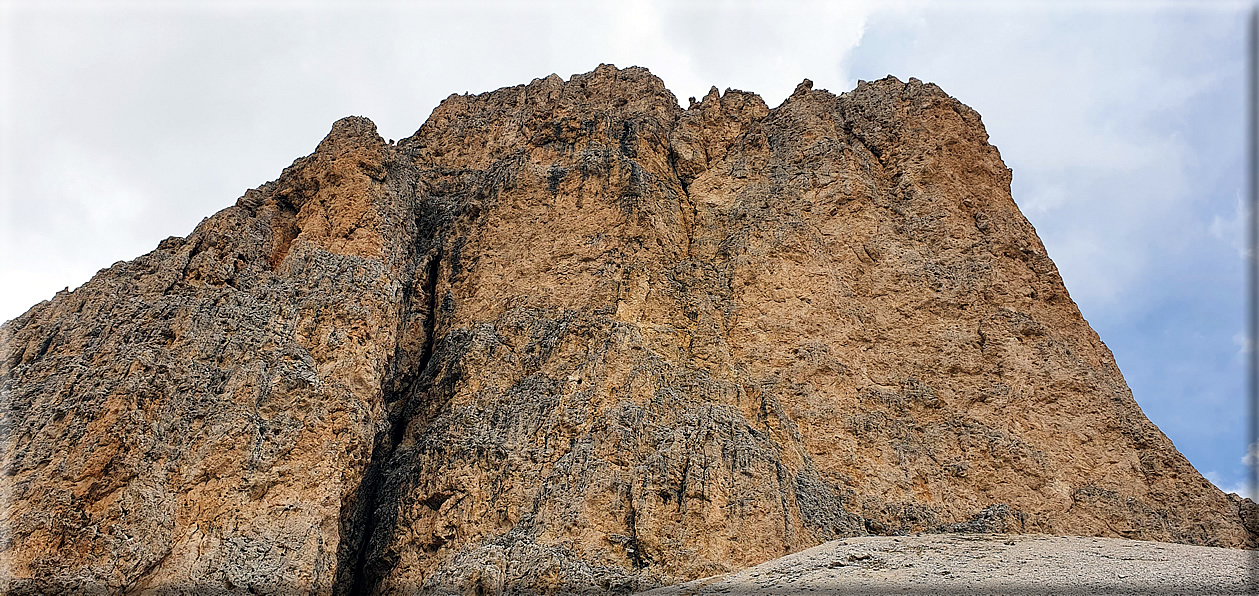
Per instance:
x=122, y=123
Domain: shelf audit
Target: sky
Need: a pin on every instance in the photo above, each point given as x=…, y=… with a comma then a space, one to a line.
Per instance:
x=122, y=123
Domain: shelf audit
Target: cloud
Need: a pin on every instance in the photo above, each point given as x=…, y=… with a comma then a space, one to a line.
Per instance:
x=1231, y=229
x=1242, y=488
x=767, y=48
x=1251, y=458
x=84, y=193
x=1243, y=343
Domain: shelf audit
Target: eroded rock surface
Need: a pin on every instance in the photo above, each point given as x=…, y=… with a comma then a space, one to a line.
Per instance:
x=572, y=337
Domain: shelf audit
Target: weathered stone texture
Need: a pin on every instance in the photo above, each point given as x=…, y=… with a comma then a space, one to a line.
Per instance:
x=571, y=337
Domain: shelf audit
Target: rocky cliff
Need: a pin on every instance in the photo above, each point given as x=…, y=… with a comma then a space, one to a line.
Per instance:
x=572, y=337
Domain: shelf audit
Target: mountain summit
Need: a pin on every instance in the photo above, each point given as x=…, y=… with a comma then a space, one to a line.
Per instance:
x=572, y=337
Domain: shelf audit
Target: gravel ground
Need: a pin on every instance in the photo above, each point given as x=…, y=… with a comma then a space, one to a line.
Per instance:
x=991, y=564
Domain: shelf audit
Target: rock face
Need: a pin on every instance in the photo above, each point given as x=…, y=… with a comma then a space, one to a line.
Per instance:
x=571, y=337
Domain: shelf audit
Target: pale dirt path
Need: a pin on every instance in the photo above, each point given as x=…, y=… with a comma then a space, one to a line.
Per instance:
x=990, y=564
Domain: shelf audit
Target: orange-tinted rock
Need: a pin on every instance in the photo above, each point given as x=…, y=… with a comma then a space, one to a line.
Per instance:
x=571, y=336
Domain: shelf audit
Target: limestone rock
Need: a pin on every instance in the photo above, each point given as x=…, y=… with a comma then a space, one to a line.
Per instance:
x=570, y=337
x=989, y=565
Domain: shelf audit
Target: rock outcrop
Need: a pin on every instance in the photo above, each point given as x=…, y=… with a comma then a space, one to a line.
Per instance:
x=569, y=337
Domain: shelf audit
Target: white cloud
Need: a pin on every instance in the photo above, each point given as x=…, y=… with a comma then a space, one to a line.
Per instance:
x=1243, y=343
x=92, y=216
x=1231, y=229
x=637, y=39
x=765, y=47
x=1241, y=488
x=1252, y=455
